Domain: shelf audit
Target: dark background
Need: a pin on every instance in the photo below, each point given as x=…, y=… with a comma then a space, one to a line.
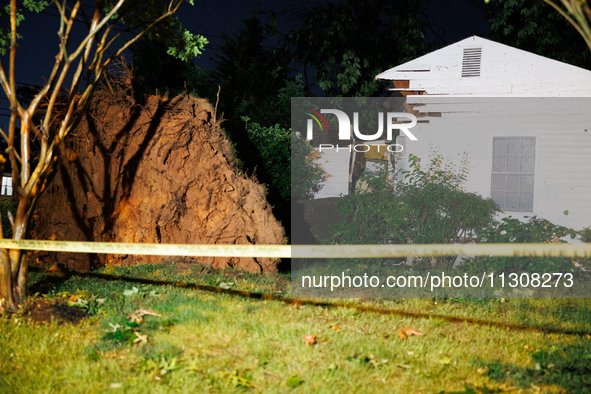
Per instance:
x=448, y=22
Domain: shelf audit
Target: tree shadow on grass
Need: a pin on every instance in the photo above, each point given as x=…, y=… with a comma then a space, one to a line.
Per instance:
x=566, y=366
x=46, y=283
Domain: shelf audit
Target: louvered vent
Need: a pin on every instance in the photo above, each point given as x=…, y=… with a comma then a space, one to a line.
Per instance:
x=471, y=62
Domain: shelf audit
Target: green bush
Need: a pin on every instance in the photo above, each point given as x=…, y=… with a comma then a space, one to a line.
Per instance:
x=585, y=234
x=273, y=144
x=5, y=207
x=283, y=152
x=440, y=211
x=585, y=237
x=371, y=217
x=511, y=230
x=428, y=207
x=307, y=176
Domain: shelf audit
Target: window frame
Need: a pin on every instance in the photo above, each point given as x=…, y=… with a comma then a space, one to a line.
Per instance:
x=519, y=173
x=5, y=187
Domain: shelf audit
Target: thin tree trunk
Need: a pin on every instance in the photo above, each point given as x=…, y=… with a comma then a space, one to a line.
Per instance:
x=6, y=295
x=7, y=300
x=18, y=263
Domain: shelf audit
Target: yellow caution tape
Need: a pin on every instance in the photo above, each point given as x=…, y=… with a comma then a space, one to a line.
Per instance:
x=371, y=251
x=303, y=251
x=151, y=249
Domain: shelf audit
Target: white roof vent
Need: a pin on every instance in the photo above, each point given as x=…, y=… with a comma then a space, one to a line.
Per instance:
x=471, y=62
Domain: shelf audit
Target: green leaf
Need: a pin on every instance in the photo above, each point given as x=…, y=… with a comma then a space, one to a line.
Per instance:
x=226, y=285
x=573, y=234
x=93, y=356
x=294, y=381
x=131, y=292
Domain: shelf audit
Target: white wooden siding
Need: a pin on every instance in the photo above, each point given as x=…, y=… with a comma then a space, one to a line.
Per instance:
x=562, y=177
x=336, y=164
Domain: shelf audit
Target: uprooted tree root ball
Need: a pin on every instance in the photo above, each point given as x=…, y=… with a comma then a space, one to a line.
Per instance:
x=159, y=171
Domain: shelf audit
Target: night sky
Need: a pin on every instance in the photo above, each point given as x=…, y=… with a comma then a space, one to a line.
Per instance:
x=451, y=20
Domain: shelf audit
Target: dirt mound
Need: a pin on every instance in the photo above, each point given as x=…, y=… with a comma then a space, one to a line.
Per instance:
x=158, y=171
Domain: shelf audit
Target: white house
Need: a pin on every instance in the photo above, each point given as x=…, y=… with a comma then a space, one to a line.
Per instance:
x=523, y=119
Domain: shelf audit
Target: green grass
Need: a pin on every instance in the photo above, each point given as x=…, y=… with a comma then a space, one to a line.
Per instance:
x=210, y=339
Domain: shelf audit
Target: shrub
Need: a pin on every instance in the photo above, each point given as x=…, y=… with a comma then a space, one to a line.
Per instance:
x=273, y=144
x=370, y=217
x=439, y=210
x=511, y=230
x=429, y=207
x=307, y=176
x=585, y=234
x=585, y=237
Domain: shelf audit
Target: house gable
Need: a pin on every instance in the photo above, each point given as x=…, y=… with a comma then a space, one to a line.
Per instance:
x=483, y=68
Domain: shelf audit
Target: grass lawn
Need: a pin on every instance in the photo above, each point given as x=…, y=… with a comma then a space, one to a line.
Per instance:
x=237, y=332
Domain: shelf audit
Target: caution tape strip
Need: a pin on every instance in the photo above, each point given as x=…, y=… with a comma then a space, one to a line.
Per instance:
x=370, y=251
x=150, y=249
x=303, y=251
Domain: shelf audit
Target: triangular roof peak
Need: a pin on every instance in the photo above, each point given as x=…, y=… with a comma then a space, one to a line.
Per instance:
x=479, y=67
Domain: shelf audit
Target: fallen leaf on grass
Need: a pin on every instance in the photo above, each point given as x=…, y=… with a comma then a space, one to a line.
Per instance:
x=336, y=328
x=140, y=338
x=375, y=361
x=310, y=339
x=483, y=370
x=131, y=292
x=294, y=382
x=406, y=332
x=192, y=366
x=370, y=359
x=297, y=303
x=226, y=285
x=236, y=380
x=410, y=331
x=138, y=316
